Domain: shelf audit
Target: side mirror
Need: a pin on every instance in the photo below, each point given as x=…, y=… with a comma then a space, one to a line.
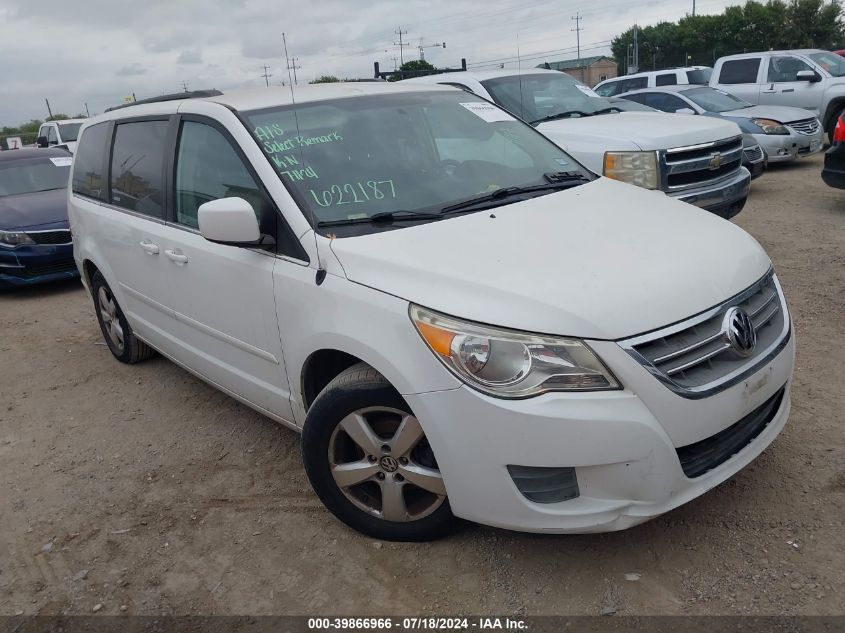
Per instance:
x=685, y=111
x=808, y=75
x=229, y=221
x=41, y=141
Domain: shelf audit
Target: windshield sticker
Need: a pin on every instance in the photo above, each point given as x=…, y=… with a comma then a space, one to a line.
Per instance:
x=488, y=111
x=587, y=91
x=61, y=161
x=353, y=192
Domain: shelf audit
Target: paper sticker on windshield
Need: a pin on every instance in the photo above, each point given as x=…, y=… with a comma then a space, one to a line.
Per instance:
x=62, y=161
x=488, y=111
x=587, y=91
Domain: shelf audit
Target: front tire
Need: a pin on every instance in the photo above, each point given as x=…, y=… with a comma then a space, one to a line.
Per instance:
x=370, y=463
x=122, y=342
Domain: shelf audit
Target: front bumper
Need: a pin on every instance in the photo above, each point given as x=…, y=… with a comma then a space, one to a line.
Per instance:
x=619, y=443
x=782, y=148
x=725, y=198
x=36, y=263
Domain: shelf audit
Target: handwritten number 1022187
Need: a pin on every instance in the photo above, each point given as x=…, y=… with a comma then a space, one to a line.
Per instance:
x=354, y=192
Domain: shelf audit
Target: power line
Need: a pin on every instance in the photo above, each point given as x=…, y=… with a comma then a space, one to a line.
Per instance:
x=267, y=75
x=540, y=54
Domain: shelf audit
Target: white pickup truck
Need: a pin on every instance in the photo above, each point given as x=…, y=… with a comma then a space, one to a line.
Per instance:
x=694, y=159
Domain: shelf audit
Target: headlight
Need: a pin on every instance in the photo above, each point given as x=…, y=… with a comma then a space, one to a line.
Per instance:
x=509, y=364
x=770, y=126
x=635, y=168
x=10, y=239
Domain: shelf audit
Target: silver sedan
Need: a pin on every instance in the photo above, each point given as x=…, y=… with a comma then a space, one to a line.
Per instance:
x=784, y=133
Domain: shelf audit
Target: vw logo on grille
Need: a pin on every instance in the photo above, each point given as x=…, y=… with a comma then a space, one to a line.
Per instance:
x=715, y=161
x=389, y=464
x=738, y=330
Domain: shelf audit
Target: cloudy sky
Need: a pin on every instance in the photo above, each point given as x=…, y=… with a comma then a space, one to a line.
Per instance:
x=98, y=51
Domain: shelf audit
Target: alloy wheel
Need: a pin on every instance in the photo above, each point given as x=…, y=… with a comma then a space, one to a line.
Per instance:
x=109, y=315
x=381, y=460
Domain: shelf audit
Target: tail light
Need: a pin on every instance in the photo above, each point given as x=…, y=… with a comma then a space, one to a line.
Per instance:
x=839, y=131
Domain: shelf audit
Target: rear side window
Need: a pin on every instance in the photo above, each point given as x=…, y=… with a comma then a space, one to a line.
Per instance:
x=666, y=80
x=739, y=71
x=700, y=76
x=88, y=162
x=136, y=167
x=664, y=102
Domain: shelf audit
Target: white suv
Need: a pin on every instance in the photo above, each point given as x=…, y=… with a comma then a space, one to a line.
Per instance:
x=459, y=318
x=689, y=75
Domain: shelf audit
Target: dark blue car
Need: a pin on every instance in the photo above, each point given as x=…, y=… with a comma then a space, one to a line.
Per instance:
x=35, y=240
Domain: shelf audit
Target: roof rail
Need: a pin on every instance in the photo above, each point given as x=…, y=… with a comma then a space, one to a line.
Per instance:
x=193, y=94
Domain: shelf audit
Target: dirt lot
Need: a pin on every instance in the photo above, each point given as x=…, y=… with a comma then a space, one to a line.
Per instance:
x=143, y=490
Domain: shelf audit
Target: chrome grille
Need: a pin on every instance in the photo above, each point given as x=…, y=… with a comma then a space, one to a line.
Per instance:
x=753, y=154
x=694, y=357
x=696, y=165
x=61, y=236
x=806, y=126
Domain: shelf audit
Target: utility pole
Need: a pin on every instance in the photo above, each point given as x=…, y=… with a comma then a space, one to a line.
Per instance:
x=48, y=108
x=395, y=59
x=294, y=68
x=634, y=66
x=401, y=45
x=267, y=75
x=578, y=29
x=184, y=86
x=86, y=110
x=693, y=8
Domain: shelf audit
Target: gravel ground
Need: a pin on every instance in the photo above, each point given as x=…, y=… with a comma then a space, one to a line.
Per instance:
x=142, y=490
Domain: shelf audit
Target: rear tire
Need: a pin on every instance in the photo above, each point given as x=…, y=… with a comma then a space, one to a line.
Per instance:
x=368, y=460
x=122, y=342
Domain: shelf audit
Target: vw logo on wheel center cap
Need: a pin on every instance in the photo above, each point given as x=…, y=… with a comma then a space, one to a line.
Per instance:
x=738, y=331
x=388, y=464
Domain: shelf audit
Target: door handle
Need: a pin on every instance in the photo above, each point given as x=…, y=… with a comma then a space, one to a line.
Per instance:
x=176, y=256
x=769, y=90
x=149, y=247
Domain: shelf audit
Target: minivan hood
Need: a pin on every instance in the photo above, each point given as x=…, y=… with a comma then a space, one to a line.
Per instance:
x=604, y=260
x=784, y=114
x=649, y=130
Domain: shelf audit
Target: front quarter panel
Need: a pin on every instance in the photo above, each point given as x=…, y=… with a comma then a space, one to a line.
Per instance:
x=342, y=315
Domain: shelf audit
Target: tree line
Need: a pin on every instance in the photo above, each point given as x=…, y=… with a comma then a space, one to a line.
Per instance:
x=755, y=26
x=31, y=127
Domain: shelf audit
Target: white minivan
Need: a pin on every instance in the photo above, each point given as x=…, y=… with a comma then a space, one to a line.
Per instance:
x=460, y=319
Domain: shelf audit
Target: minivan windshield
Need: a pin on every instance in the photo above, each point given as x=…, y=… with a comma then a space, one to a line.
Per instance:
x=831, y=62
x=537, y=97
x=712, y=100
x=69, y=131
x=397, y=155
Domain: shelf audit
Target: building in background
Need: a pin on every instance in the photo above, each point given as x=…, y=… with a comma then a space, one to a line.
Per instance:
x=590, y=70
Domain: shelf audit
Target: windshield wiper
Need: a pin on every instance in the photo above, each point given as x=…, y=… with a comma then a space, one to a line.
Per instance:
x=560, y=115
x=384, y=217
x=580, y=113
x=556, y=181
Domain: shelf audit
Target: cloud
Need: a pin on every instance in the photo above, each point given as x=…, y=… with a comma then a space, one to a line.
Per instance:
x=156, y=45
x=189, y=57
x=131, y=69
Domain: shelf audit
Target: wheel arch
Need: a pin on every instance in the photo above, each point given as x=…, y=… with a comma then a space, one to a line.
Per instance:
x=835, y=106
x=320, y=368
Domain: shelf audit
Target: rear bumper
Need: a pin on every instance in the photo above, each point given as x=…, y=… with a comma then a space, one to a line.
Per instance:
x=833, y=173
x=36, y=263
x=724, y=198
